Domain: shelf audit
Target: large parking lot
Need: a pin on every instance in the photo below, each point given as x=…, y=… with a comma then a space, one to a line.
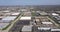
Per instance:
x=18, y=25
x=23, y=22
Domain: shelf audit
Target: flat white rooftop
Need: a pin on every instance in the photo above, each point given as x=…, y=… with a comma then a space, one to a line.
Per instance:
x=5, y=21
x=55, y=29
x=25, y=18
x=55, y=14
x=9, y=18
x=46, y=22
x=6, y=11
x=15, y=13
x=1, y=16
x=27, y=28
x=43, y=28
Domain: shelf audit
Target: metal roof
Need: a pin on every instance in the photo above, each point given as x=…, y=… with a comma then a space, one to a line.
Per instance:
x=9, y=18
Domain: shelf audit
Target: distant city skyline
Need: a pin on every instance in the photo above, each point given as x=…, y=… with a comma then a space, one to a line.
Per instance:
x=29, y=2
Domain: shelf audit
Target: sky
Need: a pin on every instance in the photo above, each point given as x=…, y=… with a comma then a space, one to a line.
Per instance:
x=29, y=2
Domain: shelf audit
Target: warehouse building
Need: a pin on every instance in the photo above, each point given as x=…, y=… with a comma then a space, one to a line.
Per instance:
x=9, y=18
x=25, y=18
x=55, y=30
x=55, y=14
x=46, y=22
x=15, y=14
x=5, y=21
x=44, y=28
x=27, y=28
